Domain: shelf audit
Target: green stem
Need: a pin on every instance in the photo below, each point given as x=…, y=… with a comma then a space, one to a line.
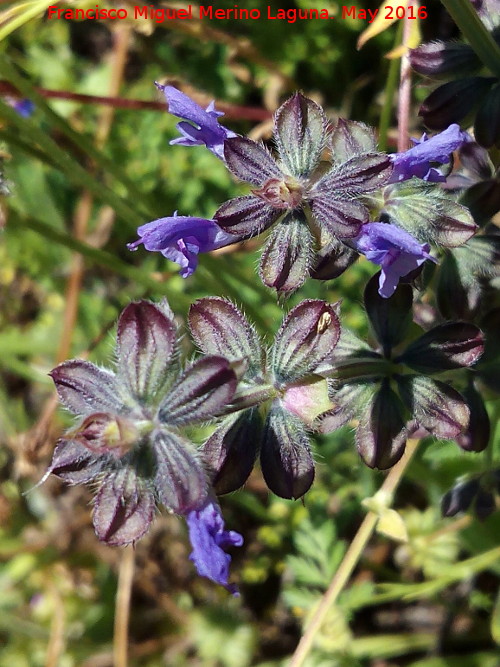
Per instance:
x=467, y=19
x=350, y=560
x=389, y=91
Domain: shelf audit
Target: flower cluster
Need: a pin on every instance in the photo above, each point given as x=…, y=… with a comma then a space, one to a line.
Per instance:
x=323, y=198
x=390, y=391
x=285, y=378
x=129, y=441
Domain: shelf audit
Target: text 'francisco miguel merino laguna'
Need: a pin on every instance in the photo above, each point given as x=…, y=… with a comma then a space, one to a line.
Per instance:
x=161, y=14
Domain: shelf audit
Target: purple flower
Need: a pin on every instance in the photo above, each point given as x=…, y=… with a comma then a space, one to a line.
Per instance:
x=180, y=238
x=209, y=539
x=202, y=127
x=397, y=252
x=23, y=107
x=284, y=376
x=129, y=441
x=417, y=161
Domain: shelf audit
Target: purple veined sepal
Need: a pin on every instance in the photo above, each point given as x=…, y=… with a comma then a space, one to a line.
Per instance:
x=440, y=59
x=123, y=508
x=285, y=459
x=250, y=161
x=382, y=431
x=84, y=388
x=351, y=138
x=230, y=452
x=146, y=344
x=477, y=435
x=455, y=100
x=74, y=463
x=305, y=340
x=476, y=494
x=300, y=134
x=436, y=406
x=287, y=255
x=179, y=475
x=332, y=260
x=127, y=440
x=290, y=370
x=209, y=540
x=220, y=328
x=390, y=317
x=332, y=198
x=181, y=238
x=201, y=392
x=444, y=347
x=200, y=126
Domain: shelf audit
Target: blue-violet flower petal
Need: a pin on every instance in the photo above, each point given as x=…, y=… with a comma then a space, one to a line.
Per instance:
x=417, y=161
x=180, y=238
x=209, y=539
x=397, y=252
x=23, y=107
x=203, y=127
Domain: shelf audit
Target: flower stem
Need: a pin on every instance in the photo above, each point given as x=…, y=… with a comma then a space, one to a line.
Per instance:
x=122, y=607
x=390, y=88
x=404, y=97
x=466, y=18
x=350, y=560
